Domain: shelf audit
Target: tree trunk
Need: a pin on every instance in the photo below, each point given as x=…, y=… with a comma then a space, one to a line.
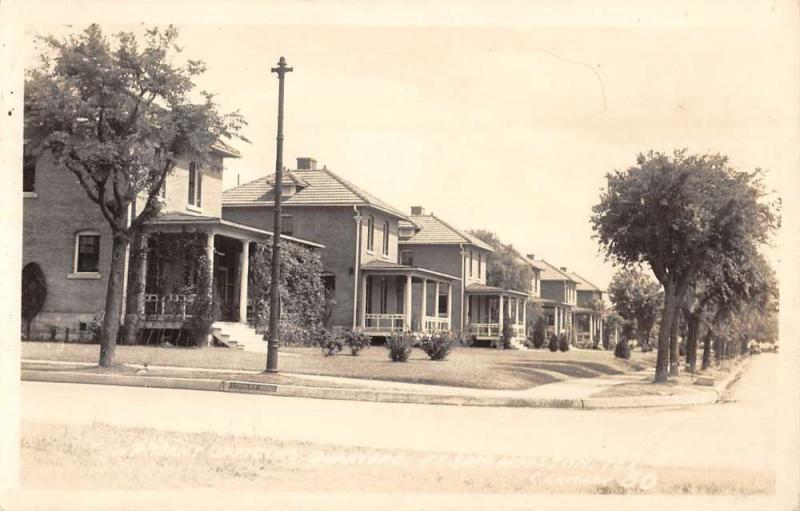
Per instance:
x=692, y=330
x=662, y=358
x=114, y=297
x=706, y=350
x=674, y=351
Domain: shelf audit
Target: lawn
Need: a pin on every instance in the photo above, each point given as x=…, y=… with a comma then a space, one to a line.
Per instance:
x=99, y=456
x=465, y=367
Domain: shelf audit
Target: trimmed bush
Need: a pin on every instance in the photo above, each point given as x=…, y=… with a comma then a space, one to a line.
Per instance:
x=355, y=341
x=399, y=346
x=552, y=343
x=508, y=333
x=563, y=342
x=331, y=344
x=437, y=346
x=623, y=350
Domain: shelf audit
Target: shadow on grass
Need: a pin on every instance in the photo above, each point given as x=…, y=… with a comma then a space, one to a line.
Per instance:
x=570, y=369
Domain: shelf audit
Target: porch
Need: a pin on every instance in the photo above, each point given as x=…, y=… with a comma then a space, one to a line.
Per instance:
x=588, y=326
x=558, y=317
x=169, y=275
x=396, y=298
x=489, y=308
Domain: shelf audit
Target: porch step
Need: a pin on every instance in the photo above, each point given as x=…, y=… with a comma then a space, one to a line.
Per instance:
x=238, y=336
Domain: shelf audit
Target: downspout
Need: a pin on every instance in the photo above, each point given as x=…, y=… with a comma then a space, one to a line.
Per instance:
x=463, y=288
x=357, y=218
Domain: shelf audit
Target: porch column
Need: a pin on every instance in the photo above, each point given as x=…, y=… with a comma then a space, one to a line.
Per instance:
x=424, y=305
x=407, y=308
x=591, y=328
x=244, y=266
x=516, y=311
x=450, y=306
x=364, y=283
x=209, y=273
x=142, y=277
x=525, y=317
x=500, y=313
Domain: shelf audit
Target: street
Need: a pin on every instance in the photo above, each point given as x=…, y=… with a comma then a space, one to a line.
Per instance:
x=738, y=434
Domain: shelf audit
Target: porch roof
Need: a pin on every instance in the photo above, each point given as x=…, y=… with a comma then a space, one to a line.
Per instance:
x=403, y=269
x=483, y=289
x=585, y=310
x=179, y=219
x=551, y=302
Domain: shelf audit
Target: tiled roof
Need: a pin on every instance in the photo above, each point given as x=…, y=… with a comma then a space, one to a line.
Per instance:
x=550, y=272
x=583, y=284
x=434, y=230
x=319, y=187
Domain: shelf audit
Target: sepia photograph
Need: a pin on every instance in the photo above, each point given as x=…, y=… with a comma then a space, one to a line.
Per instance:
x=400, y=255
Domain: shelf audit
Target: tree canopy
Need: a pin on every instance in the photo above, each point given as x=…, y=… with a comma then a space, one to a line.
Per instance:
x=675, y=211
x=637, y=297
x=506, y=267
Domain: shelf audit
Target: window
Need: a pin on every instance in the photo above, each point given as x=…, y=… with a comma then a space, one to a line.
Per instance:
x=287, y=225
x=195, y=186
x=480, y=256
x=370, y=233
x=87, y=252
x=386, y=238
x=369, y=294
x=407, y=257
x=29, y=173
x=442, y=305
x=329, y=283
x=470, y=263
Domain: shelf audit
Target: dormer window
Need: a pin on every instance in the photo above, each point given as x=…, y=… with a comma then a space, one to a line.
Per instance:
x=195, y=185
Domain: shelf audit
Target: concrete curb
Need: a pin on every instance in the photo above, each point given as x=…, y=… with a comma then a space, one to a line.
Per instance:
x=721, y=387
x=381, y=396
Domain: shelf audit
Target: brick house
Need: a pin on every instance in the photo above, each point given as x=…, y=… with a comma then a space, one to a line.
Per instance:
x=66, y=234
x=428, y=240
x=371, y=288
x=559, y=297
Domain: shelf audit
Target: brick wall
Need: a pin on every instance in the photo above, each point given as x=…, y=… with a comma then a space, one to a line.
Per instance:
x=50, y=222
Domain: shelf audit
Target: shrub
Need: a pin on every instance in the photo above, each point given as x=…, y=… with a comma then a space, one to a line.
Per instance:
x=553, y=342
x=399, y=346
x=355, y=341
x=437, y=346
x=34, y=293
x=466, y=341
x=563, y=342
x=331, y=344
x=95, y=328
x=538, y=333
x=623, y=350
x=508, y=333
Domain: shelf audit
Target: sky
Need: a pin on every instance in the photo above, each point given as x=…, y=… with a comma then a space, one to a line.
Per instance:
x=501, y=116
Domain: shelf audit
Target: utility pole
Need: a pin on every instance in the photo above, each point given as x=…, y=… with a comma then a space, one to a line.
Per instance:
x=274, y=295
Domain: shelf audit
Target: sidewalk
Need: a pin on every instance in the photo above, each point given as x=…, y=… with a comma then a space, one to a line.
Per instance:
x=574, y=393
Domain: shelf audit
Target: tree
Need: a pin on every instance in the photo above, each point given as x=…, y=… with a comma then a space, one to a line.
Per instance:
x=636, y=296
x=673, y=212
x=34, y=293
x=506, y=267
x=119, y=116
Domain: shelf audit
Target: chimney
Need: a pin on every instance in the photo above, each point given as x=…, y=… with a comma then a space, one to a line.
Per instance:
x=417, y=210
x=564, y=269
x=306, y=163
x=531, y=257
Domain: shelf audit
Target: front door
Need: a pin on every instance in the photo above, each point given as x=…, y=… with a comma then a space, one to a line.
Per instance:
x=223, y=293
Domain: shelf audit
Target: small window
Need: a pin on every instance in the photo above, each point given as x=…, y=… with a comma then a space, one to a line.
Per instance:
x=386, y=238
x=442, y=305
x=407, y=257
x=29, y=173
x=87, y=252
x=195, y=186
x=480, y=257
x=370, y=233
x=287, y=225
x=329, y=283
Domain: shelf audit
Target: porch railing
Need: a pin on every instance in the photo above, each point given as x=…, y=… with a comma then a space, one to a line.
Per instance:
x=436, y=324
x=384, y=323
x=168, y=307
x=494, y=330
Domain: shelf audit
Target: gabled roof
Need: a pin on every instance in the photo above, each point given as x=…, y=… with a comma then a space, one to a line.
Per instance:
x=530, y=262
x=585, y=285
x=435, y=231
x=550, y=272
x=320, y=187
